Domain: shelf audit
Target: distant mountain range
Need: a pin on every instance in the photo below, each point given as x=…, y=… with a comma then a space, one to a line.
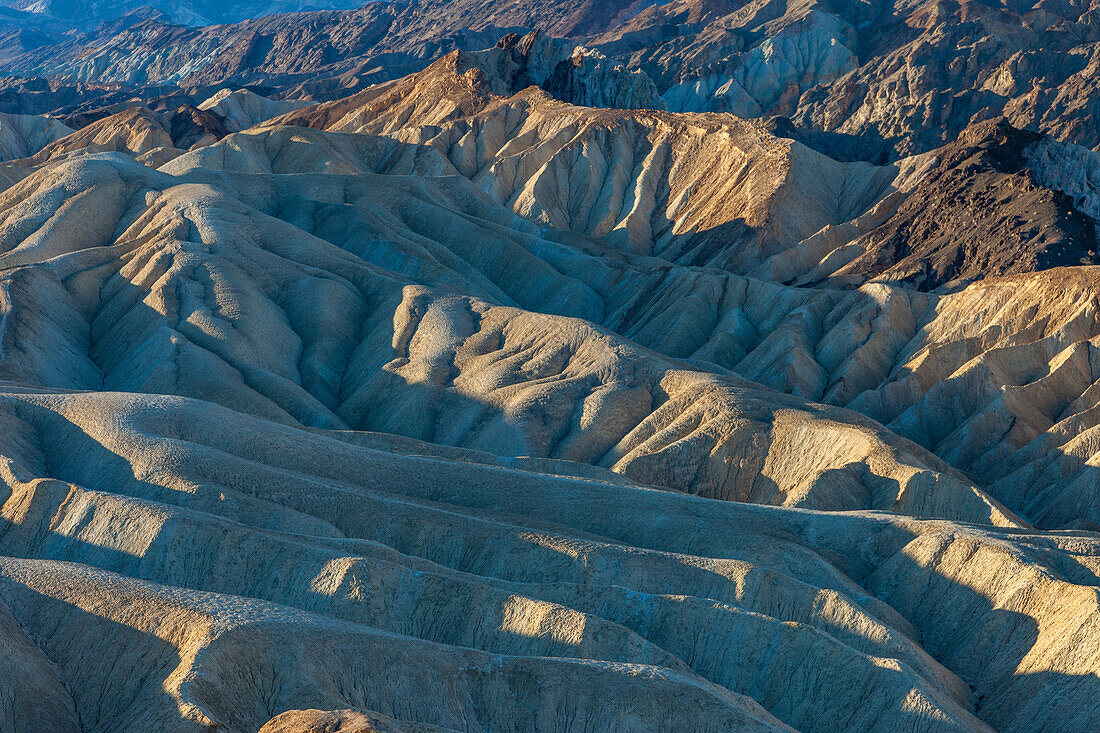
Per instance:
x=861, y=80
x=187, y=12
x=556, y=16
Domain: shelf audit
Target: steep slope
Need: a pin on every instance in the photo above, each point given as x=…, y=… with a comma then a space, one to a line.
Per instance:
x=34, y=695
x=560, y=566
x=718, y=191
x=130, y=485
x=24, y=135
x=882, y=349
x=662, y=193
x=422, y=362
x=975, y=60
x=725, y=66
x=900, y=79
x=240, y=108
x=158, y=137
x=981, y=210
x=488, y=398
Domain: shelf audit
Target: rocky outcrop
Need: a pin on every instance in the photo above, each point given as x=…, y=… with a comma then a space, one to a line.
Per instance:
x=893, y=82
x=991, y=203
x=769, y=79
x=939, y=67
x=570, y=73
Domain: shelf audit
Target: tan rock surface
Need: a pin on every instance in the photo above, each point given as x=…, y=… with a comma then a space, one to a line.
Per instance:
x=453, y=406
x=332, y=721
x=24, y=135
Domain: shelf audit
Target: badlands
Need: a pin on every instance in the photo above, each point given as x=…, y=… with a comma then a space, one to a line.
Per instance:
x=540, y=366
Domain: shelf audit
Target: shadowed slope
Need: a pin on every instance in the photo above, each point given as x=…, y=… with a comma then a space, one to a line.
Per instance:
x=212, y=272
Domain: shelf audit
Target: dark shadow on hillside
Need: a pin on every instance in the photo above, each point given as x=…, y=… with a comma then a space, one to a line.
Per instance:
x=958, y=625
x=104, y=664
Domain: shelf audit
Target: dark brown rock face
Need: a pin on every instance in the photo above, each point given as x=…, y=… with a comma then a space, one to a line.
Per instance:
x=978, y=213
